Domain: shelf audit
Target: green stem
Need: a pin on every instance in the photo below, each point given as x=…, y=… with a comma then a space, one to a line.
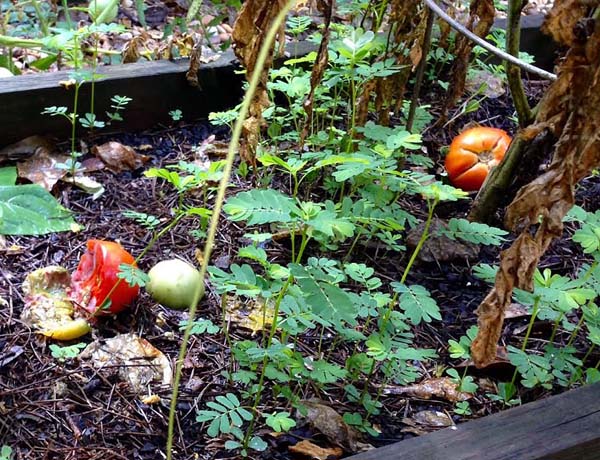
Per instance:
x=41, y=18
x=555, y=327
x=388, y=312
x=74, y=155
x=67, y=14
x=534, y=313
x=272, y=332
x=231, y=154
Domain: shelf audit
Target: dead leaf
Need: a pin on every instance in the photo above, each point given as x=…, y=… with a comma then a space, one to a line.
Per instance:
x=137, y=361
x=571, y=110
x=43, y=168
x=312, y=451
x=119, y=157
x=443, y=387
x=151, y=399
x=438, y=247
x=320, y=65
x=433, y=418
x=249, y=36
x=26, y=148
x=516, y=310
x=87, y=184
x=331, y=424
x=254, y=315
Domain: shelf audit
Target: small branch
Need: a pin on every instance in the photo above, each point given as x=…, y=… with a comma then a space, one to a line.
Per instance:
x=513, y=72
x=420, y=71
x=491, y=48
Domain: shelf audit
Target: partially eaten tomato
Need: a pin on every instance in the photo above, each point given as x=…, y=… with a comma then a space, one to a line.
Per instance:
x=95, y=282
x=473, y=153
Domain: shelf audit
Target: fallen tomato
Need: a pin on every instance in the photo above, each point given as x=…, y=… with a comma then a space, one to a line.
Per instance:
x=473, y=153
x=95, y=280
x=47, y=307
x=173, y=283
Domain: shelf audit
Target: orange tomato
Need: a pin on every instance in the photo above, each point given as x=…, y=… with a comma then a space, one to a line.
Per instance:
x=96, y=276
x=473, y=153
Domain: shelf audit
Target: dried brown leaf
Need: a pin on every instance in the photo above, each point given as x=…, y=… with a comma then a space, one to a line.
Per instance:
x=560, y=22
x=119, y=157
x=249, y=34
x=320, y=65
x=309, y=450
x=137, y=361
x=539, y=207
x=443, y=387
x=433, y=418
x=26, y=148
x=43, y=168
x=331, y=424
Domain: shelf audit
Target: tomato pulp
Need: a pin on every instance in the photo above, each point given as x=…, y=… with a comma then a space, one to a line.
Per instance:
x=96, y=276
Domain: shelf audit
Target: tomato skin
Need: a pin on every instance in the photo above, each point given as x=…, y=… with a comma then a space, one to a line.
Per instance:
x=96, y=276
x=473, y=153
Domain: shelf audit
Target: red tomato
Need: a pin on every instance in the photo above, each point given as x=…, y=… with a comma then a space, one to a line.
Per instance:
x=473, y=153
x=96, y=276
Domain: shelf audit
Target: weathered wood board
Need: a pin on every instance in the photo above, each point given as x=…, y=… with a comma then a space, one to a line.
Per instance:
x=563, y=427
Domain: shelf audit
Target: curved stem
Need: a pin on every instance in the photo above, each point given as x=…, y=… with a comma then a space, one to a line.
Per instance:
x=231, y=153
x=513, y=72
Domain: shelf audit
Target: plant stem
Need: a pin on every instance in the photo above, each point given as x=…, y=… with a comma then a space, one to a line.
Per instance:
x=41, y=18
x=534, y=313
x=231, y=154
x=67, y=14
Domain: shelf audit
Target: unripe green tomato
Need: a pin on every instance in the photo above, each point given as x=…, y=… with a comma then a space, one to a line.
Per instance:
x=173, y=283
x=97, y=7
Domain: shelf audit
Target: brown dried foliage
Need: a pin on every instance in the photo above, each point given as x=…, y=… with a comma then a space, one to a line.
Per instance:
x=326, y=7
x=407, y=20
x=571, y=111
x=481, y=18
x=249, y=34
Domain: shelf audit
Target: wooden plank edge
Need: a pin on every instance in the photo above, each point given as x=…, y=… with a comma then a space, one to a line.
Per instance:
x=562, y=427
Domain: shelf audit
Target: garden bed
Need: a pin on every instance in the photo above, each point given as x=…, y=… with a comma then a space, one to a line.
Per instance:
x=67, y=409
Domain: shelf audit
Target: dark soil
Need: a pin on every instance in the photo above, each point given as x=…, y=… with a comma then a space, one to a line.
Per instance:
x=54, y=410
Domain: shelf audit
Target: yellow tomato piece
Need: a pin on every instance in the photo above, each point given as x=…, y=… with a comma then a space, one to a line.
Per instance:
x=66, y=329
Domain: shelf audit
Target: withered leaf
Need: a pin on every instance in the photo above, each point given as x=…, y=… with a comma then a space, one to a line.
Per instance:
x=43, y=168
x=320, y=65
x=312, y=451
x=442, y=387
x=539, y=207
x=331, y=424
x=26, y=148
x=119, y=157
x=249, y=35
x=137, y=361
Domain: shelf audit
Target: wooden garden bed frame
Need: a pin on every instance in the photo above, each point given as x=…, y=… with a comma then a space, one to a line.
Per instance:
x=563, y=427
x=157, y=88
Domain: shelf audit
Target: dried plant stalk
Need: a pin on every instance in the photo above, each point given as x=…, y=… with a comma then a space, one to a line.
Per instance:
x=249, y=33
x=571, y=111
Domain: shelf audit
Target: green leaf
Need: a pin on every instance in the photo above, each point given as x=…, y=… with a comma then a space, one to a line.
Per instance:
x=261, y=207
x=329, y=224
x=325, y=372
x=588, y=236
x=200, y=326
x=8, y=175
x=67, y=352
x=326, y=299
x=31, y=210
x=132, y=275
x=417, y=303
x=474, y=232
x=257, y=444
x=280, y=421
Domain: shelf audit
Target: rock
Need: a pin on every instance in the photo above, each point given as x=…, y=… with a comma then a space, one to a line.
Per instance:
x=440, y=248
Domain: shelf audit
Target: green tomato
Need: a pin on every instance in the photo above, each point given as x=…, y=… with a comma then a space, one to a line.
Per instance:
x=173, y=283
x=97, y=7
